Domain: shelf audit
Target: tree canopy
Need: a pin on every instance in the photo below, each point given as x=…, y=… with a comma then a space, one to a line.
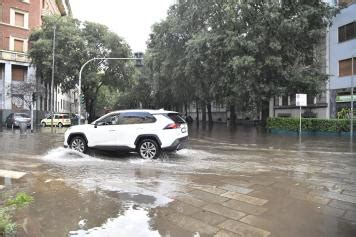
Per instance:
x=237, y=52
x=76, y=42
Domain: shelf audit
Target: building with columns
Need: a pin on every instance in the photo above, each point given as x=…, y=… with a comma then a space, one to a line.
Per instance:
x=17, y=77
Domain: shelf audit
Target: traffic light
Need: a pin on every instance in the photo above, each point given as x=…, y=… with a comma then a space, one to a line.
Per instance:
x=139, y=59
x=82, y=99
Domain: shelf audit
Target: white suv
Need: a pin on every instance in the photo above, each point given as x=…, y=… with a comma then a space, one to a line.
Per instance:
x=145, y=131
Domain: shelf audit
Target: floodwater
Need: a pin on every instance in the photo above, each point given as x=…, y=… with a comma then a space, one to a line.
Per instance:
x=229, y=182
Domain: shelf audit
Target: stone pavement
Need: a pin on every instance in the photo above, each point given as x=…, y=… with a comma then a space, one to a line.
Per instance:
x=292, y=197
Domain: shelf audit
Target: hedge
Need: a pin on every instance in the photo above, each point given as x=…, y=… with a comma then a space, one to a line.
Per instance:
x=310, y=124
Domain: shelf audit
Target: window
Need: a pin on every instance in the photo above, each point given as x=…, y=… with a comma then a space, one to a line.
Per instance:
x=284, y=100
x=136, y=118
x=19, y=19
x=347, y=32
x=19, y=45
x=276, y=101
x=19, y=73
x=176, y=118
x=1, y=11
x=292, y=99
x=346, y=2
x=310, y=100
x=109, y=120
x=345, y=68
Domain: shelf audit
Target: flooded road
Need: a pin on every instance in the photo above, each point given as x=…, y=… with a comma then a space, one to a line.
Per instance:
x=229, y=182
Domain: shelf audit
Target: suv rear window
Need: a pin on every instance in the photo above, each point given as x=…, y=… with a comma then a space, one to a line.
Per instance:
x=136, y=118
x=176, y=118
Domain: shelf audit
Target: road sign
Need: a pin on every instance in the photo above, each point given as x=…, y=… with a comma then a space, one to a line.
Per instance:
x=301, y=100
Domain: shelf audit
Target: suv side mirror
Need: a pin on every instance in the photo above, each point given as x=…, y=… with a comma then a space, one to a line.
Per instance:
x=96, y=124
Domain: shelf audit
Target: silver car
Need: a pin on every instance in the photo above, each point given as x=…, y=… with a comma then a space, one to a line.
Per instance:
x=15, y=119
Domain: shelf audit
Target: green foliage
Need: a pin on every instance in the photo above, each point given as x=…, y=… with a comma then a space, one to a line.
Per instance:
x=310, y=125
x=234, y=51
x=344, y=114
x=7, y=226
x=76, y=43
x=20, y=200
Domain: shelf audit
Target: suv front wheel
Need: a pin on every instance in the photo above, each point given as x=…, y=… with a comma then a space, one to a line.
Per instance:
x=148, y=149
x=79, y=144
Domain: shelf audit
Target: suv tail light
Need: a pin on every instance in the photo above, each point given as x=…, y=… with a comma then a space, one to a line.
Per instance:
x=172, y=126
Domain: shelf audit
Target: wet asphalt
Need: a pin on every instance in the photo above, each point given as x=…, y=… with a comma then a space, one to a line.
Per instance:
x=229, y=182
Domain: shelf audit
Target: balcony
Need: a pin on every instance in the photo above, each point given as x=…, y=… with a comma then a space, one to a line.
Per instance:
x=14, y=56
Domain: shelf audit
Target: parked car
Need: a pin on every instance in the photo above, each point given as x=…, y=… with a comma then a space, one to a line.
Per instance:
x=15, y=119
x=59, y=120
x=146, y=131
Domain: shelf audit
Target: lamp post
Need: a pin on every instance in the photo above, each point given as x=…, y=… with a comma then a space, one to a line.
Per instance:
x=52, y=81
x=53, y=65
x=80, y=78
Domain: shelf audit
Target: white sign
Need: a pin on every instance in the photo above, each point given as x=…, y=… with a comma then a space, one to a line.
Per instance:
x=301, y=100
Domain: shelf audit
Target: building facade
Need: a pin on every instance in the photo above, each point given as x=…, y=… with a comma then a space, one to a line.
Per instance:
x=340, y=48
x=341, y=54
x=17, y=20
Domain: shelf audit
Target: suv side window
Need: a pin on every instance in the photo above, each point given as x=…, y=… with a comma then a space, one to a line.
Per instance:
x=109, y=120
x=56, y=116
x=136, y=118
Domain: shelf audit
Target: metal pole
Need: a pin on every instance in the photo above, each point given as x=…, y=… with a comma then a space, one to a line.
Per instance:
x=32, y=108
x=352, y=98
x=300, y=120
x=52, y=81
x=80, y=79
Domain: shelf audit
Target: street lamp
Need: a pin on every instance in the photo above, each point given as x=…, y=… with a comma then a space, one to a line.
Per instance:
x=53, y=64
x=80, y=78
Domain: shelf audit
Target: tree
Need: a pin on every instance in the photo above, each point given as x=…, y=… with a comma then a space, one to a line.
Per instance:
x=77, y=42
x=239, y=52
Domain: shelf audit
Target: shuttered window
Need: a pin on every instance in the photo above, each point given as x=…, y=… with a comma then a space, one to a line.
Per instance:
x=347, y=32
x=18, y=45
x=19, y=19
x=18, y=73
x=345, y=68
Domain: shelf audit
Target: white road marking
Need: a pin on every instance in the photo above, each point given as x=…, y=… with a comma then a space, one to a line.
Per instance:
x=11, y=174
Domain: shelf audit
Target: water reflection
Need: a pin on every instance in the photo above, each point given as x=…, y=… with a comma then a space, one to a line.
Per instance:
x=133, y=222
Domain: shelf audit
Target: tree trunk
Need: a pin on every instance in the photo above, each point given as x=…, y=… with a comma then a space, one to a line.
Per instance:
x=91, y=110
x=265, y=111
x=210, y=116
x=197, y=111
x=203, y=113
x=232, y=115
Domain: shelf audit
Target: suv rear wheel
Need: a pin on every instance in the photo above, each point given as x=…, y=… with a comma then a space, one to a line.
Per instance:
x=148, y=149
x=79, y=144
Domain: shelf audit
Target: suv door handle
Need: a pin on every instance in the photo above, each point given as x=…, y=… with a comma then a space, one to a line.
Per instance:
x=112, y=130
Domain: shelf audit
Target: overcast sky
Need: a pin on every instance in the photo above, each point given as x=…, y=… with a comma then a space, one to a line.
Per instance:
x=130, y=19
